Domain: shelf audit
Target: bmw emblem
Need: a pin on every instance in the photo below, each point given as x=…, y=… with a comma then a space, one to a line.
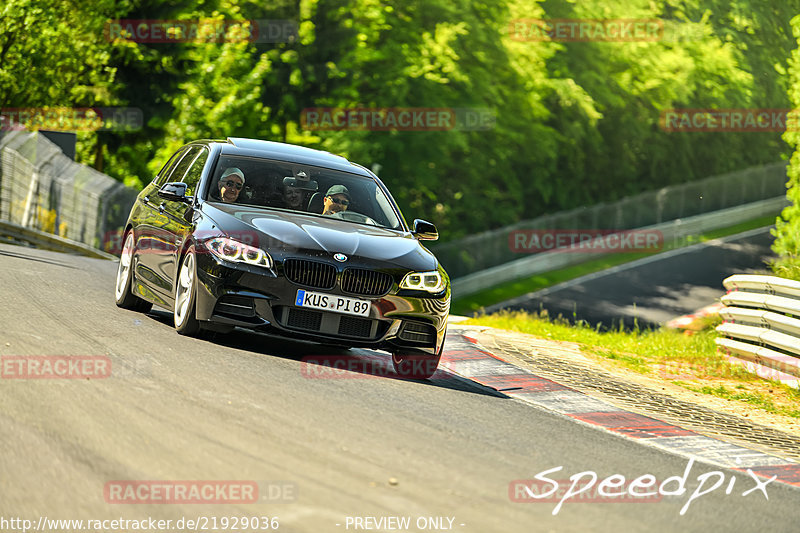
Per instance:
x=340, y=257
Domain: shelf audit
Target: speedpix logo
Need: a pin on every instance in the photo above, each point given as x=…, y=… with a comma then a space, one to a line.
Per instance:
x=616, y=488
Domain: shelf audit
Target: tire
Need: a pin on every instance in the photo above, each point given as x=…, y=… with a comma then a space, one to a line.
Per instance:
x=122, y=291
x=184, y=311
x=415, y=366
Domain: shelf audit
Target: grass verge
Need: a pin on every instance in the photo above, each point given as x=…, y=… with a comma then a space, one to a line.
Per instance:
x=505, y=291
x=688, y=361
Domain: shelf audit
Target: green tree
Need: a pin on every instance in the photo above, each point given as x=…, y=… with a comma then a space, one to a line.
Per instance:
x=576, y=122
x=787, y=226
x=52, y=53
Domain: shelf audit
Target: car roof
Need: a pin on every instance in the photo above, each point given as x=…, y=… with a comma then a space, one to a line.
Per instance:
x=287, y=152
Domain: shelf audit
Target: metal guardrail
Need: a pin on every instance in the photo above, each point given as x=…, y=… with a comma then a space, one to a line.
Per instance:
x=489, y=249
x=761, y=324
x=564, y=257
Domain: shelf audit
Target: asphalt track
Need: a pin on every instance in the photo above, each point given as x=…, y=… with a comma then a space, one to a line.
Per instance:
x=324, y=449
x=653, y=290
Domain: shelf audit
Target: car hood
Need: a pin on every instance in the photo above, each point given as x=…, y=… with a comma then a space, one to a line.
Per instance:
x=291, y=233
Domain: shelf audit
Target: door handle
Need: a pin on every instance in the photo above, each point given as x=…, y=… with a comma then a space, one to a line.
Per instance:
x=162, y=207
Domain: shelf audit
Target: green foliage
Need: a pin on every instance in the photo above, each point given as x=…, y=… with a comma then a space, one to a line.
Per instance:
x=787, y=226
x=52, y=53
x=576, y=122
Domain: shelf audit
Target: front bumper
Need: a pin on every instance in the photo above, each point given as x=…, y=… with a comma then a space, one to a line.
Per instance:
x=236, y=294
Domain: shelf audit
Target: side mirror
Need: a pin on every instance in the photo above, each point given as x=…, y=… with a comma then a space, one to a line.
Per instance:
x=424, y=230
x=174, y=192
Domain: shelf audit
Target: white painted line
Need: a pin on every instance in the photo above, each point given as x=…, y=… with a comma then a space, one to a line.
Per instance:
x=622, y=268
x=718, y=452
x=566, y=402
x=569, y=403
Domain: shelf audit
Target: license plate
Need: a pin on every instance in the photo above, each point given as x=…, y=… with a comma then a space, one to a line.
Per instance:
x=330, y=302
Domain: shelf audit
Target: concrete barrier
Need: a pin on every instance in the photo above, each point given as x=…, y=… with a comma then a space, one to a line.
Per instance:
x=49, y=241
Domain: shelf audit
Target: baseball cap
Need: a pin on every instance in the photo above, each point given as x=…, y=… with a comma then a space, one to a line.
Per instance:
x=230, y=172
x=338, y=189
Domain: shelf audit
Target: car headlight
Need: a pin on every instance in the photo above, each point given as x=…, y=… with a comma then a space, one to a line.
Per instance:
x=237, y=252
x=423, y=281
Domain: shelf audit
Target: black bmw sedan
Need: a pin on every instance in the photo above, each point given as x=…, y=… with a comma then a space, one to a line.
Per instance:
x=286, y=240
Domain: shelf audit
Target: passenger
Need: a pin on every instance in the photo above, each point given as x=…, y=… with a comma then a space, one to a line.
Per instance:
x=336, y=199
x=231, y=184
x=293, y=198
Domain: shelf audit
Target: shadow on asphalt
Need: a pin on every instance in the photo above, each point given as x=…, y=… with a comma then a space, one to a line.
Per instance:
x=320, y=361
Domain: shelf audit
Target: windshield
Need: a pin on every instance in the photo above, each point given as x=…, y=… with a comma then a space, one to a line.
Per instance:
x=301, y=188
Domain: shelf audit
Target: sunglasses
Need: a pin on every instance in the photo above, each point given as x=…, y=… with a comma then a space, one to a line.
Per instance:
x=231, y=184
x=340, y=202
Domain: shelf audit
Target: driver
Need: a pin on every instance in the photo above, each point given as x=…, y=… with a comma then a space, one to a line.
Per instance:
x=336, y=200
x=230, y=185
